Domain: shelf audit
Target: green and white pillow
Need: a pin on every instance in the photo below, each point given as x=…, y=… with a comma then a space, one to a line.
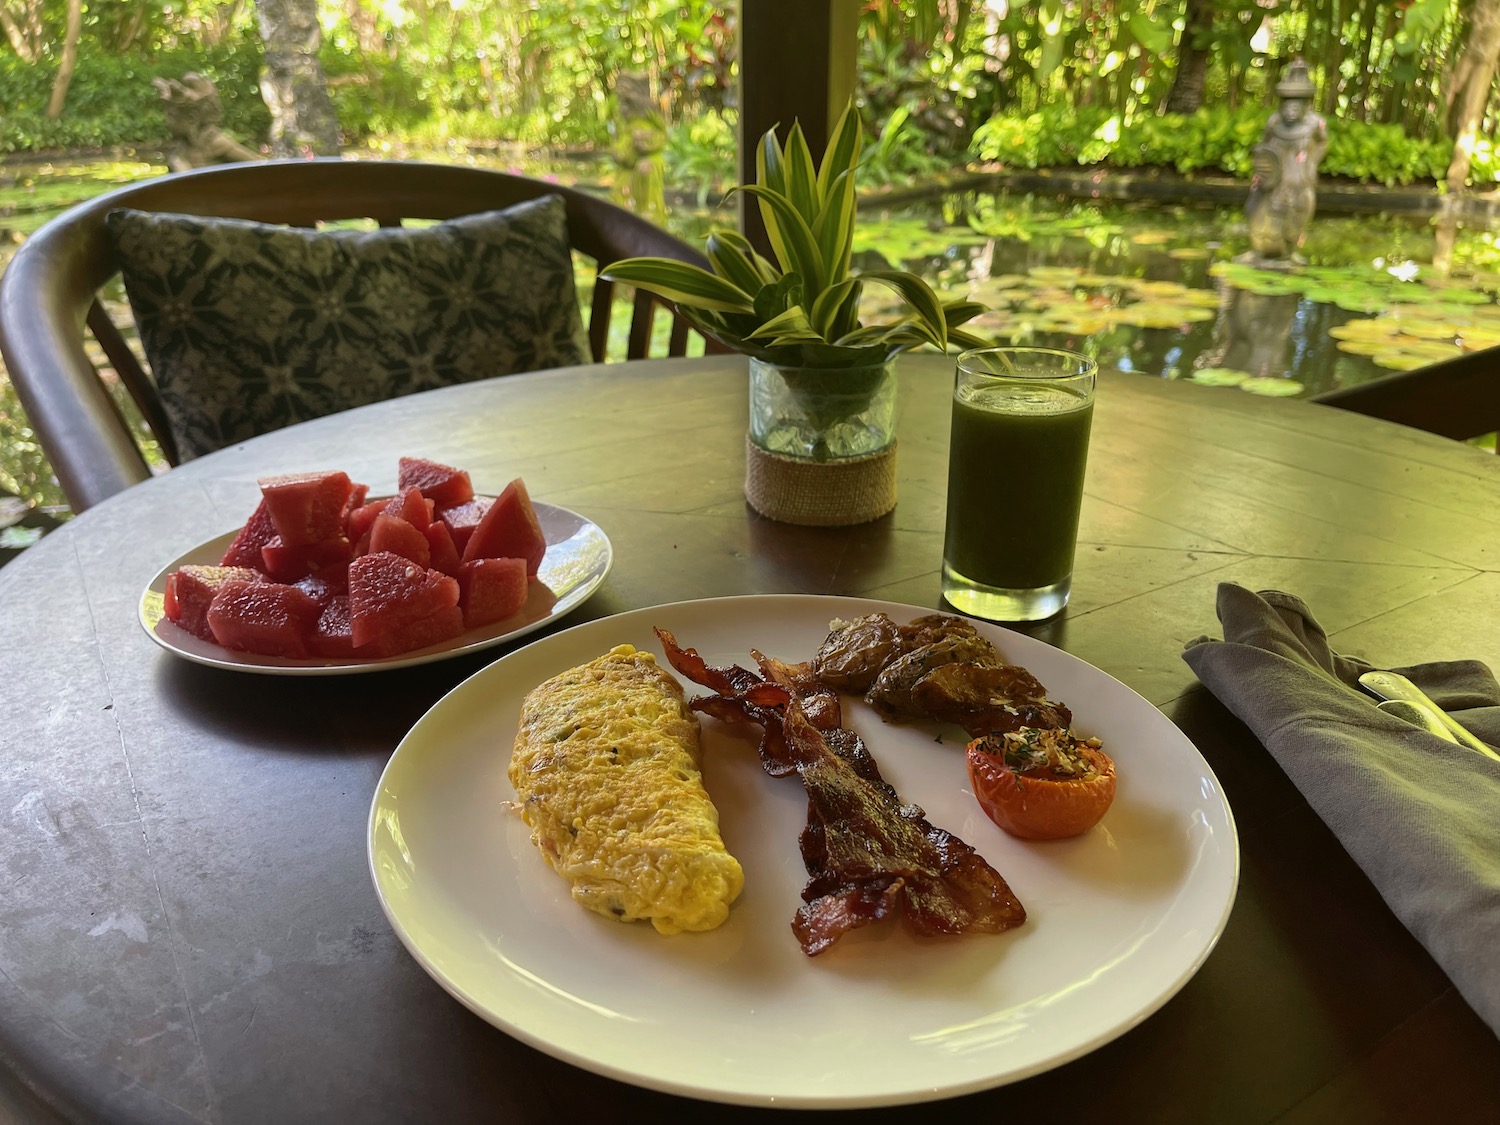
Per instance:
x=249, y=327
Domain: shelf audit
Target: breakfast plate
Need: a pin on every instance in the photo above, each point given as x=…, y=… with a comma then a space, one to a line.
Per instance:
x=578, y=558
x=1118, y=919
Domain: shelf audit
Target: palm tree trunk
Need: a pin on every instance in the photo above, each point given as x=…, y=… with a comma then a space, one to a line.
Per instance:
x=1483, y=48
x=1192, y=58
x=69, y=60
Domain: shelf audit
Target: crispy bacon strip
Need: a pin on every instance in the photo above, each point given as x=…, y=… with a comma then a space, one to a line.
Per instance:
x=868, y=854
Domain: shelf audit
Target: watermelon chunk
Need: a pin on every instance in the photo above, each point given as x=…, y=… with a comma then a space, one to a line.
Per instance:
x=509, y=530
x=257, y=532
x=287, y=563
x=191, y=588
x=491, y=590
x=307, y=507
x=462, y=519
x=332, y=637
x=412, y=507
x=326, y=585
x=444, y=485
x=264, y=617
x=357, y=524
x=390, y=533
x=394, y=601
x=442, y=554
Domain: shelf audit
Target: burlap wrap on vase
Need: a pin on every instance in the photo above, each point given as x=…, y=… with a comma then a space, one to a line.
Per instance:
x=834, y=493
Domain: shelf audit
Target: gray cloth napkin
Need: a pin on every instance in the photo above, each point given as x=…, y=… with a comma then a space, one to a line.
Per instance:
x=1419, y=815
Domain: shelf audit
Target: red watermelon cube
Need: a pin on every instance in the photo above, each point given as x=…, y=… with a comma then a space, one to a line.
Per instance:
x=287, y=563
x=389, y=533
x=444, y=485
x=442, y=554
x=307, y=507
x=332, y=637
x=462, y=519
x=264, y=617
x=191, y=588
x=257, y=532
x=412, y=507
x=491, y=590
x=357, y=524
x=395, y=604
x=509, y=530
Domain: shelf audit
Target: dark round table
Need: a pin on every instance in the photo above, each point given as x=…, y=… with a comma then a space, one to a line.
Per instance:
x=188, y=930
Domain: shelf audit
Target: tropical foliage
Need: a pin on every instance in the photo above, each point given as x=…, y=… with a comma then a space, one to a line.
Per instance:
x=801, y=309
x=1409, y=82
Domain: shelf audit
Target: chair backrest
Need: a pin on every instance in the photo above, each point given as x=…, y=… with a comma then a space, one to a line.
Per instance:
x=1457, y=398
x=49, y=295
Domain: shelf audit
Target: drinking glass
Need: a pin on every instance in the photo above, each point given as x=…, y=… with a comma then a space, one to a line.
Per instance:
x=1021, y=419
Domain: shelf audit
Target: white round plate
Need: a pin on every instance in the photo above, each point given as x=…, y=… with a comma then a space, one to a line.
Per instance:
x=1119, y=919
x=578, y=557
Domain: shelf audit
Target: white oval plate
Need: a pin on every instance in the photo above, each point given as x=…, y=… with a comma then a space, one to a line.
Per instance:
x=578, y=557
x=1119, y=919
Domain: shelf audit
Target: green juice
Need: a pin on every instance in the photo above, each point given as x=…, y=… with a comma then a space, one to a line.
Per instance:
x=1015, y=484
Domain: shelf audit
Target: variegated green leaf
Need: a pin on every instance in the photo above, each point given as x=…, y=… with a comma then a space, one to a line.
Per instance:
x=801, y=174
x=680, y=283
x=799, y=250
x=776, y=298
x=919, y=295
x=767, y=271
x=847, y=319
x=842, y=154
x=825, y=309
x=962, y=338
x=834, y=228
x=732, y=264
x=957, y=312
x=793, y=319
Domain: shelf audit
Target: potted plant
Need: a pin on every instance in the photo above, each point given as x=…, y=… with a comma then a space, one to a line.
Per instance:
x=821, y=441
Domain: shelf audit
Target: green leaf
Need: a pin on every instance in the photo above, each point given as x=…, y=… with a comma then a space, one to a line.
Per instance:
x=776, y=298
x=959, y=311
x=919, y=295
x=801, y=175
x=829, y=303
x=834, y=228
x=847, y=319
x=732, y=264
x=680, y=283
x=798, y=250
x=792, y=320
x=962, y=338
x=768, y=272
x=843, y=151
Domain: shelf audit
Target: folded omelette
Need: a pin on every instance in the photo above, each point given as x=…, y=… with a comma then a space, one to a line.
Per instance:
x=606, y=768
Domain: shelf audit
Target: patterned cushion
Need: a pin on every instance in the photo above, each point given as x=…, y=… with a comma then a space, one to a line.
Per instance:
x=249, y=327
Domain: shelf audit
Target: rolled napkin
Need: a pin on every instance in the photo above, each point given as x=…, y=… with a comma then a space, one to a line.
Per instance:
x=1418, y=814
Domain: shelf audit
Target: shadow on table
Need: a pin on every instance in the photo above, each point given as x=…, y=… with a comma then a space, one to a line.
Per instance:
x=369, y=712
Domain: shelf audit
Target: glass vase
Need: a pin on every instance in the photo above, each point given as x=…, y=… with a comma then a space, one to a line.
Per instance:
x=822, y=414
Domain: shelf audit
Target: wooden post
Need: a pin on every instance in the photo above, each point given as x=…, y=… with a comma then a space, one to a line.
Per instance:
x=796, y=64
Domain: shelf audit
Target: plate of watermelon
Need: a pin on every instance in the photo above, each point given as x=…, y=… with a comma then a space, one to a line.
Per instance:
x=323, y=579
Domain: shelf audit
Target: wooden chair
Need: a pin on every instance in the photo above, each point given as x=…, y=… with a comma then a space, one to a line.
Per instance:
x=49, y=296
x=1456, y=398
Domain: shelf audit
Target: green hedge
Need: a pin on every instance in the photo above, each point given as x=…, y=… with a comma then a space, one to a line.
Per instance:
x=111, y=100
x=1214, y=139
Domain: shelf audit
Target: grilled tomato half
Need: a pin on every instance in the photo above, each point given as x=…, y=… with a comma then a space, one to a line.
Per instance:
x=1041, y=784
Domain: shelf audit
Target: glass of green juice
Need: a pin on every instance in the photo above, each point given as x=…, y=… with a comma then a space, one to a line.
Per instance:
x=1021, y=419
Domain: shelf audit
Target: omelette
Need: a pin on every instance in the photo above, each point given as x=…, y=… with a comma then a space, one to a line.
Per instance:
x=606, y=769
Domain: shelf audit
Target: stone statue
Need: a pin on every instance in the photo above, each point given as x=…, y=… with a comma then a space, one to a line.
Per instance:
x=640, y=135
x=195, y=118
x=1283, y=187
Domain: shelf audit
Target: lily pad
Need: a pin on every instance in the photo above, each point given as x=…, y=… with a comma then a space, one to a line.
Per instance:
x=1218, y=377
x=1272, y=387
